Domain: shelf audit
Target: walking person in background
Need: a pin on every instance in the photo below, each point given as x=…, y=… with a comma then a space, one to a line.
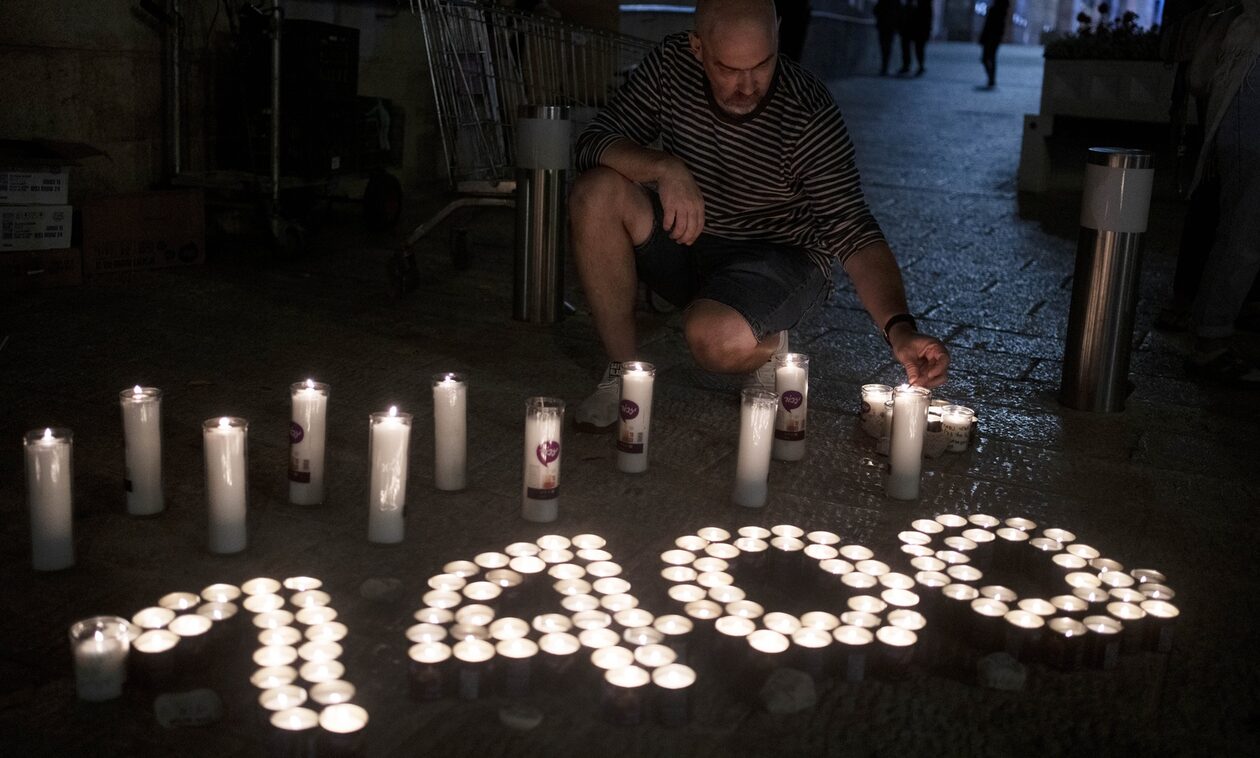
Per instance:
x=991, y=36
x=916, y=27
x=887, y=17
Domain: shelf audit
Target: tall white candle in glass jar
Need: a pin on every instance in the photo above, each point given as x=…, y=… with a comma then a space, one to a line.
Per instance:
x=227, y=484
x=142, y=446
x=872, y=413
x=909, y=427
x=450, y=432
x=637, y=379
x=756, y=437
x=49, y=496
x=308, y=432
x=540, y=492
x=100, y=645
x=791, y=384
x=387, y=489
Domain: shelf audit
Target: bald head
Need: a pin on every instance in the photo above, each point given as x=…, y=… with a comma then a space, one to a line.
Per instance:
x=725, y=17
x=737, y=43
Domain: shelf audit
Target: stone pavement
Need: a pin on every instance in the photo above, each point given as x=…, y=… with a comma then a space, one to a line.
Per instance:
x=1166, y=484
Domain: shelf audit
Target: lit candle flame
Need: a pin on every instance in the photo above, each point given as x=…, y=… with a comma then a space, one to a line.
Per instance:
x=225, y=422
x=48, y=437
x=137, y=391
x=393, y=410
x=310, y=384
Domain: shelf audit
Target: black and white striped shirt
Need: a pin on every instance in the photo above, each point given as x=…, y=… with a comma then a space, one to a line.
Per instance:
x=783, y=173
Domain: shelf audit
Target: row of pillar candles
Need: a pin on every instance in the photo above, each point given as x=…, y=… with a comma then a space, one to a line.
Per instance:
x=772, y=425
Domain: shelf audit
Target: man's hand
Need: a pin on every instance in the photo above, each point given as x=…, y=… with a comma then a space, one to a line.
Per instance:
x=925, y=358
x=682, y=202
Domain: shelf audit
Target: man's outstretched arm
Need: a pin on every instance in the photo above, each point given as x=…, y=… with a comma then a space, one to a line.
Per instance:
x=877, y=279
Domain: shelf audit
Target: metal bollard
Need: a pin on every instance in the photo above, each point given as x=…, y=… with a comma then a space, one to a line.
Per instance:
x=542, y=163
x=1114, y=209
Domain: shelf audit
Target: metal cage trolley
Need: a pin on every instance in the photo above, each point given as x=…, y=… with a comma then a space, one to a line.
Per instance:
x=487, y=64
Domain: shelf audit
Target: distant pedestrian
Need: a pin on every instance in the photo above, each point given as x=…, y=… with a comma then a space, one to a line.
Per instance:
x=887, y=18
x=916, y=27
x=793, y=26
x=991, y=35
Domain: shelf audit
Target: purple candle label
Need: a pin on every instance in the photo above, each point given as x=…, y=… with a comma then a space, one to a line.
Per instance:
x=629, y=410
x=548, y=452
x=792, y=400
x=295, y=433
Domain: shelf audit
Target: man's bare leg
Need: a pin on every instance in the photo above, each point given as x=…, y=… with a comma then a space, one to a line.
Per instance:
x=609, y=215
x=721, y=340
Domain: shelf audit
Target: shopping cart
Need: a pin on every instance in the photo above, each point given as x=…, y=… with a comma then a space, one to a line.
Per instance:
x=485, y=62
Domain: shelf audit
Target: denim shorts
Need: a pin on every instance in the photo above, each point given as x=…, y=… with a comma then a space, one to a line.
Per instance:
x=772, y=285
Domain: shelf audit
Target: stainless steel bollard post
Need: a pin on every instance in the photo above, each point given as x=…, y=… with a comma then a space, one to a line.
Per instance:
x=1114, y=209
x=542, y=164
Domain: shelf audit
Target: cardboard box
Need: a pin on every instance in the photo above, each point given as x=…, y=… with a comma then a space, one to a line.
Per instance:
x=144, y=230
x=35, y=227
x=25, y=186
x=36, y=269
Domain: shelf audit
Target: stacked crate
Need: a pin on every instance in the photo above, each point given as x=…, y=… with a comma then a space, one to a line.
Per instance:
x=35, y=220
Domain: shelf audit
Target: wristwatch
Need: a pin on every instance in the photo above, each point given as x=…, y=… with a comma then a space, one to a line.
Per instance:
x=900, y=318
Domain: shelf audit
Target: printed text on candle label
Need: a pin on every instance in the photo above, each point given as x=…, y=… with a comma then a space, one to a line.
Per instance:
x=792, y=400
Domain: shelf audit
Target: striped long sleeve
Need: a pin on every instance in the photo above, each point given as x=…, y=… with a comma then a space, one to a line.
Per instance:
x=785, y=172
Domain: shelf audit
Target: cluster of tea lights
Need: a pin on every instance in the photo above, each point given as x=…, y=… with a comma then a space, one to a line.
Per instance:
x=910, y=424
x=1100, y=610
x=466, y=642
x=881, y=608
x=299, y=674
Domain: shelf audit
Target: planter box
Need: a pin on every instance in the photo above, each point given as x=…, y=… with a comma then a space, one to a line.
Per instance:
x=1107, y=89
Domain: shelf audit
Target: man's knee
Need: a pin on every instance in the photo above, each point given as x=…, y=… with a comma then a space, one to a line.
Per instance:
x=595, y=190
x=722, y=345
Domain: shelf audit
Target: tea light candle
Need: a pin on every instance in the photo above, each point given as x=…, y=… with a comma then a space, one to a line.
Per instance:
x=516, y=660
x=332, y=692
x=281, y=635
x=272, y=619
x=1161, y=618
x=153, y=618
x=813, y=651
x=673, y=684
x=1065, y=643
x=473, y=658
x=49, y=474
x=956, y=421
x=282, y=697
x=906, y=456
x=307, y=434
x=854, y=642
x=896, y=649
x=263, y=603
x=621, y=700
x=426, y=671
x=263, y=585
x=872, y=412
x=579, y=603
x=637, y=379
x=509, y=629
x=1103, y=641
x=752, y=468
x=1023, y=632
x=540, y=491
x=643, y=635
x=142, y=448
x=275, y=655
x=294, y=731
x=227, y=482
x=434, y=616
x=791, y=384
x=389, y=439
x=273, y=676
x=152, y=657
x=612, y=657
x=100, y=645
x=192, y=629
x=342, y=726
x=318, y=672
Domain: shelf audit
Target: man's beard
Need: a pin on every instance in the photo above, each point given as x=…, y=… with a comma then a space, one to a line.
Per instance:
x=742, y=106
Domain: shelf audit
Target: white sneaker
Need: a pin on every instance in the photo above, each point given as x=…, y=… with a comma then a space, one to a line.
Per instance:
x=599, y=411
x=763, y=377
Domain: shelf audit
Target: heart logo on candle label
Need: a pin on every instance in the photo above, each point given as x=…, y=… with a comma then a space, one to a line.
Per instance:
x=629, y=409
x=548, y=452
x=792, y=400
x=295, y=433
